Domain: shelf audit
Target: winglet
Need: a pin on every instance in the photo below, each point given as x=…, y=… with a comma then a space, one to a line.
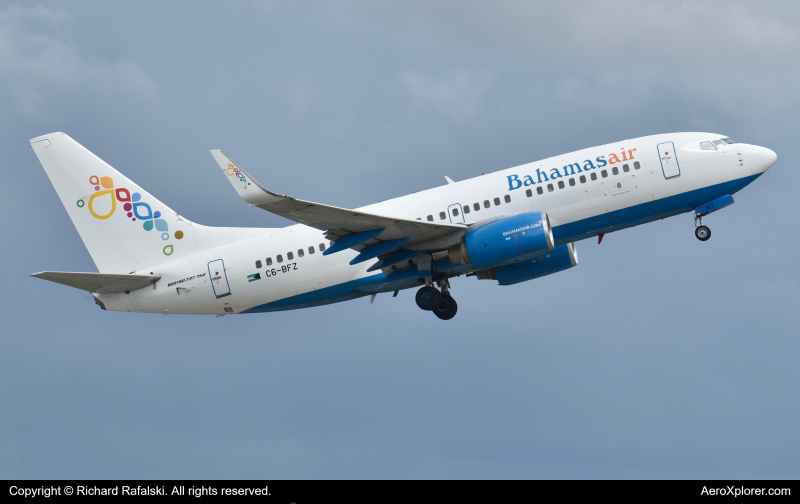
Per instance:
x=246, y=186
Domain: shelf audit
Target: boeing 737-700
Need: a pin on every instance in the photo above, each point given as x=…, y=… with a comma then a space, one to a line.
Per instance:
x=510, y=226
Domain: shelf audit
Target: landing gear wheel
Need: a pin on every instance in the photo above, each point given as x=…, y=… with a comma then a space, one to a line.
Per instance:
x=447, y=308
x=428, y=298
x=702, y=233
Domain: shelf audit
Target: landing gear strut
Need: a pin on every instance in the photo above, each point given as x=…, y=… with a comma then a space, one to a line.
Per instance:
x=441, y=303
x=702, y=232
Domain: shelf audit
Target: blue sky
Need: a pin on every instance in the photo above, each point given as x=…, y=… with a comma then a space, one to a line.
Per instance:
x=658, y=356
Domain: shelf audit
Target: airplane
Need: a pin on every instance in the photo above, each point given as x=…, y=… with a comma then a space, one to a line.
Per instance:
x=510, y=226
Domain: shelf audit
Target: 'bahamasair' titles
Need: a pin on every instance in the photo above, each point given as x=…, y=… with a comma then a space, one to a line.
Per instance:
x=514, y=182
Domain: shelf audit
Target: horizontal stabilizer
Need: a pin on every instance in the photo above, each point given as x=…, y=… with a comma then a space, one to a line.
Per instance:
x=337, y=222
x=101, y=283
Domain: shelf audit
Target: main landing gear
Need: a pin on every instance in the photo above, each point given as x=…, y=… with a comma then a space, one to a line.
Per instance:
x=441, y=303
x=702, y=232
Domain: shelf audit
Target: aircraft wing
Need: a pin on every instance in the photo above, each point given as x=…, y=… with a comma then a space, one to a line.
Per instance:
x=101, y=283
x=337, y=222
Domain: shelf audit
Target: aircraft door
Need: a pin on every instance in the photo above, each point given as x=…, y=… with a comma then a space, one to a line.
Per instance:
x=456, y=213
x=219, y=280
x=669, y=161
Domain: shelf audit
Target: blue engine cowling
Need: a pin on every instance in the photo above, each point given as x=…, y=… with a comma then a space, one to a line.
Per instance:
x=506, y=240
x=560, y=258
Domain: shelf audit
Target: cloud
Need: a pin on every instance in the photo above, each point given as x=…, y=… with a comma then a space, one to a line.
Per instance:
x=712, y=32
x=37, y=14
x=33, y=59
x=458, y=96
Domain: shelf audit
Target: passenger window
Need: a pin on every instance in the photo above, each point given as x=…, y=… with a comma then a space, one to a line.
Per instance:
x=486, y=204
x=626, y=168
x=604, y=173
x=269, y=261
x=322, y=247
x=572, y=181
x=583, y=179
x=561, y=184
x=442, y=215
x=707, y=146
x=636, y=165
x=507, y=197
x=258, y=264
x=300, y=253
x=476, y=206
x=550, y=187
x=289, y=256
x=539, y=190
x=593, y=176
x=430, y=218
x=497, y=202
x=311, y=249
x=455, y=212
x=466, y=209
x=279, y=258
x=528, y=193
x=615, y=170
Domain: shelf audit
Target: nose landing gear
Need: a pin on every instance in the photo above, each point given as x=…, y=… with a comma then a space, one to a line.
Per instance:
x=441, y=303
x=702, y=232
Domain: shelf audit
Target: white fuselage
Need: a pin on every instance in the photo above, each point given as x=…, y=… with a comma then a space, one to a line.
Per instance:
x=577, y=211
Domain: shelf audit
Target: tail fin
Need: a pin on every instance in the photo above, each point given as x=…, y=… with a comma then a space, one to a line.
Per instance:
x=123, y=226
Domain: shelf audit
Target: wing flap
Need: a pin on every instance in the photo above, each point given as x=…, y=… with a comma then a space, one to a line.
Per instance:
x=101, y=283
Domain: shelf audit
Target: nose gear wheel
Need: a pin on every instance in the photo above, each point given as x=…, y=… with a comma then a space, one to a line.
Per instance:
x=702, y=232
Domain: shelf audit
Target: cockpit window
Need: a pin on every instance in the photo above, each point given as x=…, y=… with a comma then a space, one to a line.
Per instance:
x=718, y=143
x=707, y=146
x=729, y=141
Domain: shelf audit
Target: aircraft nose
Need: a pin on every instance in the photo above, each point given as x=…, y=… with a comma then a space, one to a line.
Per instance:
x=761, y=158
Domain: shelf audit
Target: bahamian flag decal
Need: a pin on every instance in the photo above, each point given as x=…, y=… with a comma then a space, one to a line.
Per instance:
x=254, y=277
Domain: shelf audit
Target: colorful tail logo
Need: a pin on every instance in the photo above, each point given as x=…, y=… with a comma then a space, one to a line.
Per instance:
x=132, y=204
x=233, y=171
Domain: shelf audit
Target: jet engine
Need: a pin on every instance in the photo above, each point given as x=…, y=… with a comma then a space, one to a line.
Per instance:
x=560, y=258
x=507, y=240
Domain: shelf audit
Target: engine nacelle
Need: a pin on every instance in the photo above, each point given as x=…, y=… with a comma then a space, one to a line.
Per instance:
x=560, y=258
x=507, y=240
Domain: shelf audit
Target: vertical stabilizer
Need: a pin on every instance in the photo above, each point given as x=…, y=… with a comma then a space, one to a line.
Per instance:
x=123, y=226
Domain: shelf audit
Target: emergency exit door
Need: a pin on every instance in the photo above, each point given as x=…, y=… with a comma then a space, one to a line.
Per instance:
x=669, y=161
x=219, y=280
x=456, y=213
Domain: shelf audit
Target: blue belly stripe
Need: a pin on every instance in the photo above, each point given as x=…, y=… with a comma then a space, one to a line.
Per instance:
x=566, y=233
x=645, y=212
x=402, y=279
